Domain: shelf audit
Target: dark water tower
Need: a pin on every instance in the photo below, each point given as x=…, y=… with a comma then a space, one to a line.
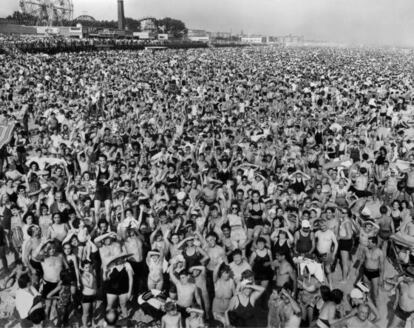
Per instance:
x=121, y=16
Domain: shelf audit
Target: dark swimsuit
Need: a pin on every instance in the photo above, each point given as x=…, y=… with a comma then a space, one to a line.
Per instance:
x=118, y=283
x=252, y=222
x=103, y=191
x=243, y=315
x=262, y=272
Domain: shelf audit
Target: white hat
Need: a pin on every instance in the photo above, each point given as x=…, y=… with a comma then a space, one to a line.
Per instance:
x=305, y=224
x=356, y=294
x=363, y=287
x=366, y=211
x=104, y=236
x=181, y=195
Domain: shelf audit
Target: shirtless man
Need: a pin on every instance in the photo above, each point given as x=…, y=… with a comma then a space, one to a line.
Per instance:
x=405, y=306
x=360, y=320
x=172, y=319
x=209, y=192
x=108, y=249
x=409, y=228
x=373, y=266
x=52, y=265
x=325, y=241
x=31, y=252
x=238, y=266
x=199, y=275
x=187, y=292
x=285, y=273
x=289, y=310
x=217, y=256
x=410, y=182
x=133, y=245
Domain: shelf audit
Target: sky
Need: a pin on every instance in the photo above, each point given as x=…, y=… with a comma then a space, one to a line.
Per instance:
x=387, y=22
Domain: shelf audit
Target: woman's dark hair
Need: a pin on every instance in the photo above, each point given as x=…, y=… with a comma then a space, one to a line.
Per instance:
x=23, y=281
x=336, y=296
x=66, y=278
x=325, y=293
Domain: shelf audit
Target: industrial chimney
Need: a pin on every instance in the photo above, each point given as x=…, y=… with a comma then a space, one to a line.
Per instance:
x=121, y=17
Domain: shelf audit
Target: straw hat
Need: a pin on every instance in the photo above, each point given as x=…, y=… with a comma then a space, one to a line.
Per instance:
x=154, y=252
x=69, y=237
x=196, y=267
x=104, y=236
x=118, y=257
x=189, y=310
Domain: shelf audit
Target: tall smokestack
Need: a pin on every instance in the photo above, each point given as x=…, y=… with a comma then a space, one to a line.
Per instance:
x=121, y=17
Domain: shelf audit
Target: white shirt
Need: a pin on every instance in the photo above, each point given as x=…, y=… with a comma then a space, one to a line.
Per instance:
x=24, y=301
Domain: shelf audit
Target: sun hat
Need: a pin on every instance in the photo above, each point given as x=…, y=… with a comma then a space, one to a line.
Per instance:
x=356, y=293
x=105, y=236
x=305, y=224
x=121, y=256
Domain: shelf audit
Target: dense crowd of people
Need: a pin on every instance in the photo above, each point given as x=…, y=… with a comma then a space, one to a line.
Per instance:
x=208, y=187
x=54, y=44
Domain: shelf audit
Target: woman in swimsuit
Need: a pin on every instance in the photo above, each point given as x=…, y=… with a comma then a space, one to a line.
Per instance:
x=261, y=263
x=386, y=225
x=255, y=213
x=193, y=254
x=396, y=214
x=345, y=242
x=57, y=230
x=118, y=283
x=238, y=229
x=282, y=242
x=241, y=311
x=73, y=264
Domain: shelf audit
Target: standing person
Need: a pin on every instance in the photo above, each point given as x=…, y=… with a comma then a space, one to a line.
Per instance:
x=224, y=290
x=326, y=247
x=262, y=263
x=103, y=194
x=285, y=273
x=404, y=304
x=118, y=281
x=187, y=292
x=238, y=266
x=373, y=267
x=241, y=312
x=304, y=239
x=133, y=245
x=217, y=256
x=345, y=242
x=89, y=291
x=52, y=265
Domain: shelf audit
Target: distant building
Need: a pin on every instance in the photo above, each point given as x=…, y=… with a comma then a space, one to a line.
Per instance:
x=163, y=36
x=147, y=35
x=198, y=35
x=148, y=24
x=66, y=31
x=253, y=39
